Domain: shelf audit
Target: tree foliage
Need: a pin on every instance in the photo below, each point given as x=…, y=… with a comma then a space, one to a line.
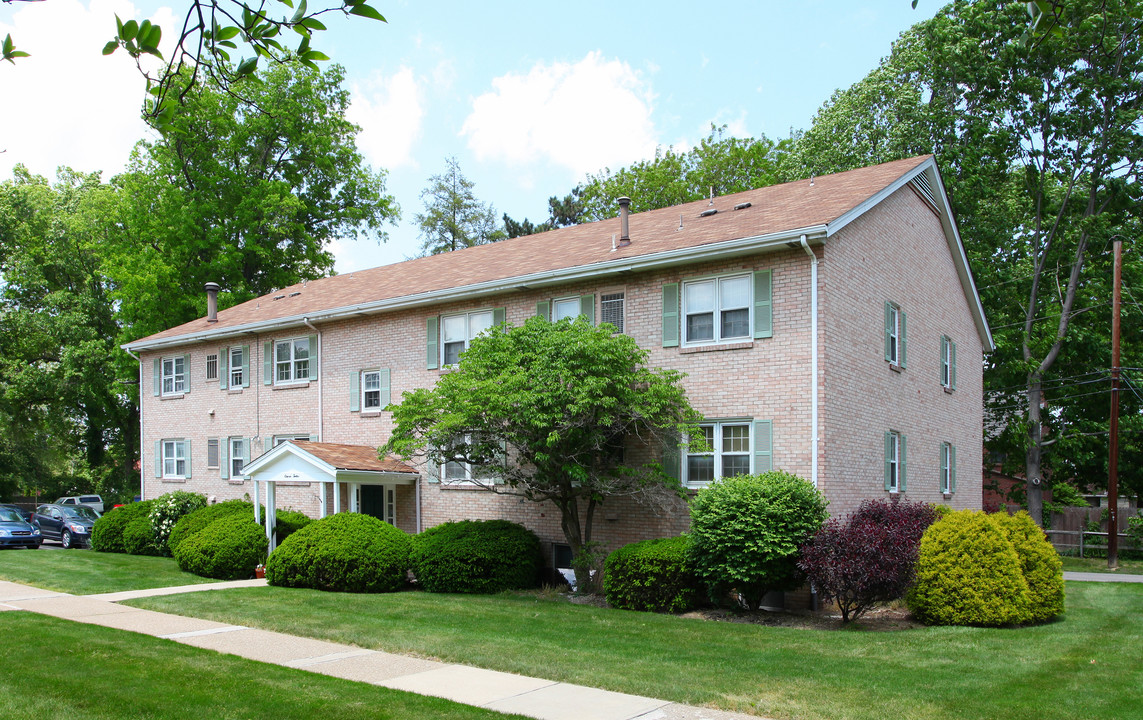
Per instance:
x=543, y=411
x=454, y=218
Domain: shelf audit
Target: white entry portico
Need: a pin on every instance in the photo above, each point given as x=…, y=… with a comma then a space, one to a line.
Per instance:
x=371, y=481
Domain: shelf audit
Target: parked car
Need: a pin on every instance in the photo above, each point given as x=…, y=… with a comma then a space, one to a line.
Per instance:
x=25, y=514
x=16, y=532
x=94, y=501
x=70, y=524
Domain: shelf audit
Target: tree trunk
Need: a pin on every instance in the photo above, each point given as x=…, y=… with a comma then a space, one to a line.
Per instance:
x=569, y=522
x=1033, y=481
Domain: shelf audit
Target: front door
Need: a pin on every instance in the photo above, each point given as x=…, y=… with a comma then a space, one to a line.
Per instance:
x=373, y=501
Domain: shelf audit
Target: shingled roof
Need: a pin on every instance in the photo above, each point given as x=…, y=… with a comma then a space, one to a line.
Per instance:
x=352, y=457
x=658, y=237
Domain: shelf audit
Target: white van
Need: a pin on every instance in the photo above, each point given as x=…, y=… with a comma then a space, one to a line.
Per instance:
x=94, y=501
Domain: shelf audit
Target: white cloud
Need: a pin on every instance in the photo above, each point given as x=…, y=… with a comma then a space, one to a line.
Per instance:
x=389, y=111
x=67, y=104
x=583, y=117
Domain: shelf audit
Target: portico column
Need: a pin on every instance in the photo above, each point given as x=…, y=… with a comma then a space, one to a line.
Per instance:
x=336, y=497
x=257, y=516
x=271, y=492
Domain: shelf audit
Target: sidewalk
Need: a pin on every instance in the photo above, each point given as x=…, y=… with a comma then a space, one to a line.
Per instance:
x=504, y=692
x=1103, y=577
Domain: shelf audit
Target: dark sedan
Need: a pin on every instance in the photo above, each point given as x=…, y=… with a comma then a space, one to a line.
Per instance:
x=71, y=525
x=14, y=532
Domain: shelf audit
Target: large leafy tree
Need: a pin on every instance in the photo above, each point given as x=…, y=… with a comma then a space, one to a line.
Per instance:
x=544, y=412
x=1040, y=146
x=454, y=218
x=251, y=200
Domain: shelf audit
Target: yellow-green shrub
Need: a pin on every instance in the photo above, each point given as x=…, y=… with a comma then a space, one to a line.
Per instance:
x=969, y=573
x=1040, y=564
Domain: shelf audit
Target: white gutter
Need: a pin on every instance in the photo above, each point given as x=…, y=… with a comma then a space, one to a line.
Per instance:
x=710, y=251
x=142, y=468
x=321, y=393
x=813, y=361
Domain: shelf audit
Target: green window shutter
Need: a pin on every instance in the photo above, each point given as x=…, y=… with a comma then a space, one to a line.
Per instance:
x=498, y=315
x=763, y=446
x=245, y=366
x=587, y=307
x=952, y=468
x=386, y=395
x=223, y=367
x=544, y=310
x=187, y=454
x=158, y=376
x=763, y=305
x=901, y=339
x=354, y=391
x=888, y=460
x=224, y=458
x=952, y=365
x=670, y=314
x=268, y=363
x=901, y=465
x=432, y=354
x=158, y=457
x=315, y=364
x=186, y=373
x=888, y=334
x=671, y=458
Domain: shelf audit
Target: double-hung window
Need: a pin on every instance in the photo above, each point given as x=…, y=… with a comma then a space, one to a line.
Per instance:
x=292, y=360
x=174, y=459
x=948, y=468
x=894, y=335
x=459, y=330
x=239, y=456
x=237, y=364
x=717, y=309
x=371, y=390
x=174, y=375
x=948, y=363
x=894, y=462
x=729, y=455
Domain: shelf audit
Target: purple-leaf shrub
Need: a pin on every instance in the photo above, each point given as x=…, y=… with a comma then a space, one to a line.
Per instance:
x=869, y=558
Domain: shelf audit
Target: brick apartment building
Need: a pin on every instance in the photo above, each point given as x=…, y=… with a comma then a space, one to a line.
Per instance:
x=829, y=327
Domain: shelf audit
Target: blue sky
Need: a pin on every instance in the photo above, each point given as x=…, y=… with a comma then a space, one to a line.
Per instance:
x=530, y=97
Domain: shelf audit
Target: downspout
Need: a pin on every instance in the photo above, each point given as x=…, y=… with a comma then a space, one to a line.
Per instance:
x=813, y=361
x=142, y=468
x=321, y=380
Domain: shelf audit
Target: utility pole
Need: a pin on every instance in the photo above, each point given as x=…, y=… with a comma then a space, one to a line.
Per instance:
x=1113, y=458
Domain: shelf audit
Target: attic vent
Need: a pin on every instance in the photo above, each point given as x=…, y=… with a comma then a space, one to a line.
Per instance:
x=296, y=293
x=708, y=213
x=742, y=206
x=922, y=186
x=279, y=297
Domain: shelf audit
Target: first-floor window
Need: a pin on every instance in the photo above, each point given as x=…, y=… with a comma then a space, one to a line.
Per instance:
x=948, y=468
x=292, y=360
x=894, y=461
x=174, y=459
x=174, y=376
x=459, y=331
x=729, y=455
x=239, y=455
x=371, y=390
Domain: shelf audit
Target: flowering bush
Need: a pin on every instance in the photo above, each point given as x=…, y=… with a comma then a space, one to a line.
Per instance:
x=869, y=558
x=166, y=512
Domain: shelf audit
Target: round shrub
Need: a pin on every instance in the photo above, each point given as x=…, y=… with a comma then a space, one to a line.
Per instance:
x=168, y=509
x=969, y=573
x=287, y=522
x=195, y=521
x=139, y=537
x=107, y=535
x=746, y=531
x=347, y=552
x=652, y=575
x=476, y=556
x=229, y=548
x=1039, y=562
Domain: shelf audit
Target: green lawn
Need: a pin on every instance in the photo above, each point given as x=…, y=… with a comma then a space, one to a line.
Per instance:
x=1075, y=564
x=70, y=671
x=1088, y=664
x=86, y=572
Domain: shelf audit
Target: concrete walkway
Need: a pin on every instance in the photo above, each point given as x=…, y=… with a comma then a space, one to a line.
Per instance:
x=504, y=692
x=1103, y=577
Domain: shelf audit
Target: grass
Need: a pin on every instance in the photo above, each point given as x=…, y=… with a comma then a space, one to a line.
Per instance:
x=1077, y=564
x=70, y=671
x=86, y=572
x=1088, y=664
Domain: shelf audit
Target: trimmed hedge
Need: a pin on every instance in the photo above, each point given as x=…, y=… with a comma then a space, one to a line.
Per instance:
x=139, y=537
x=476, y=556
x=107, y=535
x=652, y=575
x=286, y=522
x=969, y=573
x=346, y=552
x=196, y=521
x=1040, y=564
x=229, y=548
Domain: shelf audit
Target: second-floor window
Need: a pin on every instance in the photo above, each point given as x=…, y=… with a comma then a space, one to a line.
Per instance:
x=236, y=366
x=948, y=363
x=174, y=376
x=292, y=360
x=611, y=309
x=459, y=330
x=894, y=335
x=716, y=309
x=211, y=367
x=371, y=390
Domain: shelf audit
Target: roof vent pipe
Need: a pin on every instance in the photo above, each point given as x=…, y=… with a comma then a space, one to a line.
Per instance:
x=624, y=211
x=212, y=289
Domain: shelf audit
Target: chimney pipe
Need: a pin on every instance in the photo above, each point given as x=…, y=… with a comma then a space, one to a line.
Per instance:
x=624, y=211
x=212, y=289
